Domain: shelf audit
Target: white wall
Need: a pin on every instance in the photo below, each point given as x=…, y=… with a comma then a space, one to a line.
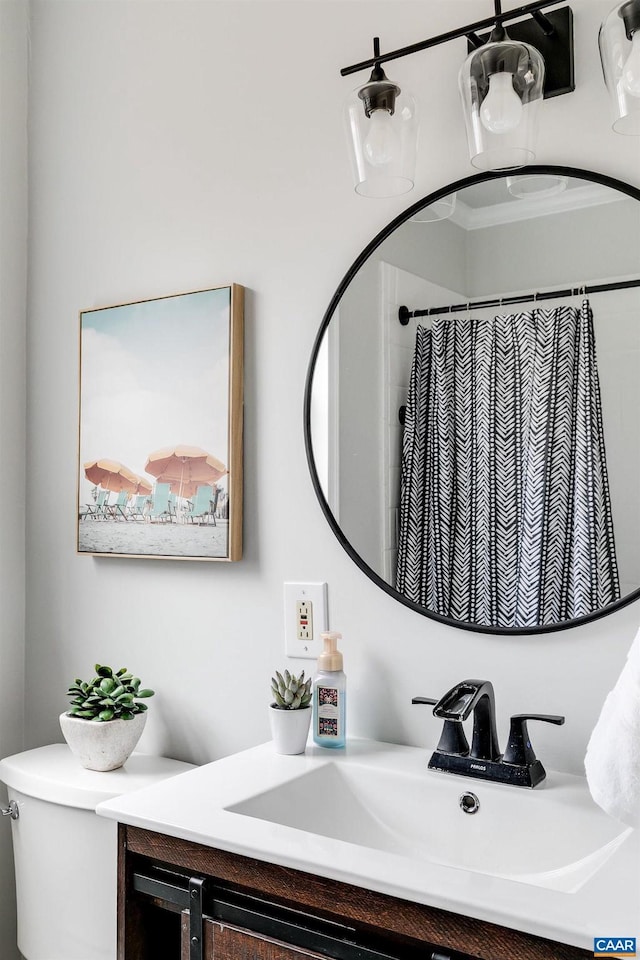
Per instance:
x=176, y=145
x=13, y=261
x=359, y=425
x=566, y=249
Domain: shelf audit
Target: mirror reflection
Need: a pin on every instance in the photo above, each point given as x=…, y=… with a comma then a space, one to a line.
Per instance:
x=480, y=457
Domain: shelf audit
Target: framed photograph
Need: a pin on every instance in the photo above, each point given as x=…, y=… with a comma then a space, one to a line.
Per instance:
x=160, y=427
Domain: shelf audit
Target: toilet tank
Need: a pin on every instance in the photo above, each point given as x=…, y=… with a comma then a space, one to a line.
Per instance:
x=65, y=854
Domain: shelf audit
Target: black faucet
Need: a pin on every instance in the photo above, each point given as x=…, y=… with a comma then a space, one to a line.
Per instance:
x=518, y=766
x=457, y=704
x=453, y=738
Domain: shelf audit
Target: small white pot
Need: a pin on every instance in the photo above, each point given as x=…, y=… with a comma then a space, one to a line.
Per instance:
x=289, y=729
x=102, y=746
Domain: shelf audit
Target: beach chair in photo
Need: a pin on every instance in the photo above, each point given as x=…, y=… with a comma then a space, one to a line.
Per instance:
x=161, y=507
x=204, y=504
x=95, y=510
x=117, y=510
x=136, y=508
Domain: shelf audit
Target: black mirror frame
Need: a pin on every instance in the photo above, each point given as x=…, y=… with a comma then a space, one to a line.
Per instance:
x=547, y=169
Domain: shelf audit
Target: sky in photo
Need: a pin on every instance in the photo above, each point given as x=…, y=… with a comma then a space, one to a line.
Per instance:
x=153, y=375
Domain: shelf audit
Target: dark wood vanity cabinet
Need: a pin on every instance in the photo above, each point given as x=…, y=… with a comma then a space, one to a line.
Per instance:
x=179, y=900
x=232, y=943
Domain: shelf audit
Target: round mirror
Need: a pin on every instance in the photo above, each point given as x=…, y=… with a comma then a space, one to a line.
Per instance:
x=471, y=406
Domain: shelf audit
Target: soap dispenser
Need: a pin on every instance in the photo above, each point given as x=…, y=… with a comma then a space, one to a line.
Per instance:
x=329, y=695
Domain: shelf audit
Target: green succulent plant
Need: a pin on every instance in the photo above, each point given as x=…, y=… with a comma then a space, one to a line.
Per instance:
x=109, y=696
x=289, y=692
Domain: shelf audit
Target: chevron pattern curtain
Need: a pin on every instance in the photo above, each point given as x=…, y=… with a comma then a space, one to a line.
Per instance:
x=505, y=514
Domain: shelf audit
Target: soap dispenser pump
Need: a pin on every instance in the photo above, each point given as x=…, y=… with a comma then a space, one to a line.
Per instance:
x=329, y=695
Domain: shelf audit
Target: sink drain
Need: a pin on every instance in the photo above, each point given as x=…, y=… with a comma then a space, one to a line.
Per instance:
x=469, y=803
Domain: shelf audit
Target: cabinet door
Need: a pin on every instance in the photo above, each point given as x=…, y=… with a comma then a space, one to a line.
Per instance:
x=223, y=942
x=230, y=943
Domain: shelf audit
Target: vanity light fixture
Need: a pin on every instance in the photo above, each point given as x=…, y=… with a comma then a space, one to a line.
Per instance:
x=536, y=186
x=501, y=83
x=441, y=209
x=501, y=88
x=382, y=127
x=619, y=42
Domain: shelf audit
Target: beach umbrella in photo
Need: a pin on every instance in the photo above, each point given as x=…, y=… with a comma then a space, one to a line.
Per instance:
x=142, y=486
x=182, y=488
x=184, y=468
x=111, y=475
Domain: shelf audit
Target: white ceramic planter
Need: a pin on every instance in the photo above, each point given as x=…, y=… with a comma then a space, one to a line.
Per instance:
x=289, y=729
x=102, y=746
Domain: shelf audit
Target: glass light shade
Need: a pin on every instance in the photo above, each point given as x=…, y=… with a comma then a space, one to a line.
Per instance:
x=382, y=140
x=501, y=86
x=619, y=42
x=440, y=209
x=536, y=187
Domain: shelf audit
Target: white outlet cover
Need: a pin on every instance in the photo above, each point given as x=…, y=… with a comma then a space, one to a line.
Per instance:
x=316, y=594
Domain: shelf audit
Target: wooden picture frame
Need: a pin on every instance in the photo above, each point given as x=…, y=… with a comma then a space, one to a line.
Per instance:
x=160, y=427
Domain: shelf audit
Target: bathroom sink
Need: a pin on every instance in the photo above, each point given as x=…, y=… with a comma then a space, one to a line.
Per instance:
x=546, y=861
x=523, y=835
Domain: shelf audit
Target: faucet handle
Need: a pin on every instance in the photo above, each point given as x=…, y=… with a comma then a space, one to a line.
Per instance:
x=519, y=750
x=453, y=738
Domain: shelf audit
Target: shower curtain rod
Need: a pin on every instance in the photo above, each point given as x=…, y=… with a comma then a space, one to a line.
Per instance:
x=404, y=314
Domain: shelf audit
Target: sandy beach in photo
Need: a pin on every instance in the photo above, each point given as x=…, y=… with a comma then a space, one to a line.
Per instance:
x=164, y=539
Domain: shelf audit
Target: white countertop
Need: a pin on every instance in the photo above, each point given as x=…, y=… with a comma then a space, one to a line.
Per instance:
x=194, y=806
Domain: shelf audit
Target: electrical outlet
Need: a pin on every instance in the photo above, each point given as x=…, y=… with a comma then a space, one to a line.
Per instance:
x=305, y=618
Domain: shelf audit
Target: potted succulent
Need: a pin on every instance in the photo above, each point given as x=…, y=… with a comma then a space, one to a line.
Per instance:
x=290, y=712
x=106, y=718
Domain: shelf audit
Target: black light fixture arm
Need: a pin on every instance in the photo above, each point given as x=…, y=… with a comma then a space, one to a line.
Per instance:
x=475, y=40
x=544, y=23
x=379, y=93
x=470, y=31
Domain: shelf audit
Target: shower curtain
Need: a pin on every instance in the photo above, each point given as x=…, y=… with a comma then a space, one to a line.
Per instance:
x=505, y=514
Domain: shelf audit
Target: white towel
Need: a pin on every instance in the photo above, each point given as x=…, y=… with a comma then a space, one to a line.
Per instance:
x=612, y=761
